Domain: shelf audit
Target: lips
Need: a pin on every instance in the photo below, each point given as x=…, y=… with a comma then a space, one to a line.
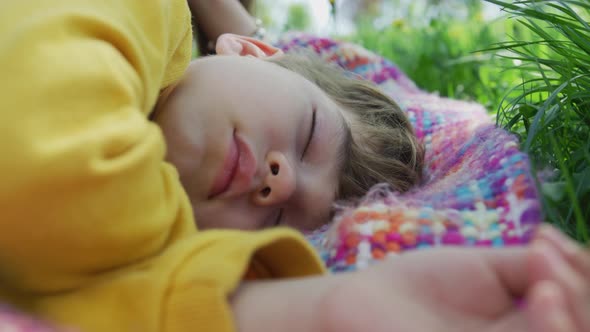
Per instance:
x=237, y=170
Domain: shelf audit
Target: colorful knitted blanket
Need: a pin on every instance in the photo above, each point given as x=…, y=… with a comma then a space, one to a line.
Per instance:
x=478, y=189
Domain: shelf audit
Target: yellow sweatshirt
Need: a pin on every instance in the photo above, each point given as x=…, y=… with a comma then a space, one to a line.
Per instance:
x=95, y=229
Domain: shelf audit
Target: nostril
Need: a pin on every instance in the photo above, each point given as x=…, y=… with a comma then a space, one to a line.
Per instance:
x=265, y=192
x=274, y=168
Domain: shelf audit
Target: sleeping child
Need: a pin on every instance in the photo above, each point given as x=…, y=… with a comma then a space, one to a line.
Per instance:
x=98, y=228
x=380, y=147
x=271, y=143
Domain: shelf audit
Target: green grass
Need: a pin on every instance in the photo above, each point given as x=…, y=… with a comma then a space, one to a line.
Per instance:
x=550, y=109
x=444, y=55
x=530, y=68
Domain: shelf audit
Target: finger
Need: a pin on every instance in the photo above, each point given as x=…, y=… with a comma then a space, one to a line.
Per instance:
x=547, y=265
x=545, y=309
x=510, y=265
x=574, y=253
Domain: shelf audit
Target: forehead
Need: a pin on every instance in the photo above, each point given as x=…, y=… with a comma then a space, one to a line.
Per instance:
x=244, y=73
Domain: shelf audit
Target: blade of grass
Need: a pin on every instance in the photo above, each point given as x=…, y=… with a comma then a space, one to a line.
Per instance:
x=581, y=227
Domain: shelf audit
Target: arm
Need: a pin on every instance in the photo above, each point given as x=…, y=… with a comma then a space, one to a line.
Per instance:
x=83, y=173
x=214, y=18
x=435, y=290
x=289, y=305
x=222, y=16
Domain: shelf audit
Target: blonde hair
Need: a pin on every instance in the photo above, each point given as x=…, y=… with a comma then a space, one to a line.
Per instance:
x=382, y=146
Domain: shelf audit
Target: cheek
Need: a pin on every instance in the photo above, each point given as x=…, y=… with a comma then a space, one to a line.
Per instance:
x=278, y=135
x=285, y=132
x=266, y=136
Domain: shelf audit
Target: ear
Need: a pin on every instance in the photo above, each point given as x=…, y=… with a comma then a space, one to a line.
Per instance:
x=230, y=44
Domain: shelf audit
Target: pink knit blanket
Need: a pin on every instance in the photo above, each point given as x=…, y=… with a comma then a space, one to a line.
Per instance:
x=478, y=188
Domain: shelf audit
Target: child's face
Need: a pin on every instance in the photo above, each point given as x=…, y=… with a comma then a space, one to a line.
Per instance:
x=239, y=131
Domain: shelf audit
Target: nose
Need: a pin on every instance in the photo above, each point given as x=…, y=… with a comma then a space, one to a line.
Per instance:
x=279, y=182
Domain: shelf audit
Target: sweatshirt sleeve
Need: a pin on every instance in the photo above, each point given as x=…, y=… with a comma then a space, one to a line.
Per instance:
x=96, y=231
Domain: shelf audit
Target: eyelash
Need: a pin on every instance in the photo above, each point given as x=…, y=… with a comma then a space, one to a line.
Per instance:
x=311, y=134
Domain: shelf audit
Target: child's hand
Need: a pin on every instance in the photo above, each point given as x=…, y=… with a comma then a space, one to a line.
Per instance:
x=439, y=290
x=560, y=271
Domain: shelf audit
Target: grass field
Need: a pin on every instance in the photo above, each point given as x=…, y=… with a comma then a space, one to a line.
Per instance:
x=529, y=67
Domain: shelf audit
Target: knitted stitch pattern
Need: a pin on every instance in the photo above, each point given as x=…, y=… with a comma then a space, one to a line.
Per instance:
x=477, y=190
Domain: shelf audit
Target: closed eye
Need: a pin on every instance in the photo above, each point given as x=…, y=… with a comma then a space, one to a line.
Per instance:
x=311, y=134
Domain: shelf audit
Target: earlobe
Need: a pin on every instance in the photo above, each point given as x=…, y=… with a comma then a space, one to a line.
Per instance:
x=230, y=44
